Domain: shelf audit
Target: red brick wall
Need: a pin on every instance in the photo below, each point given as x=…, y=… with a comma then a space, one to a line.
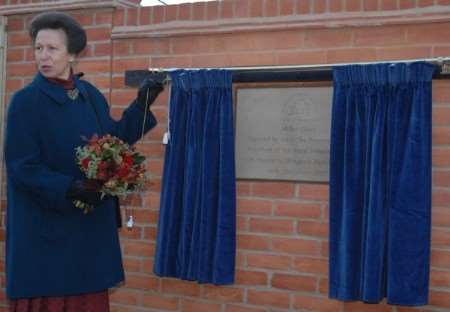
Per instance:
x=282, y=226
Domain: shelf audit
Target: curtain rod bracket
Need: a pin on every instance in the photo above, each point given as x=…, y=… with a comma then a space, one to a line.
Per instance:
x=445, y=67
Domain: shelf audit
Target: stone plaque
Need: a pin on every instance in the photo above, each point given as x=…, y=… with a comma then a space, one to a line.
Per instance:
x=283, y=133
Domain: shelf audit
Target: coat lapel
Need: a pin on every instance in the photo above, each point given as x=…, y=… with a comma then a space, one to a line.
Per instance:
x=57, y=92
x=81, y=87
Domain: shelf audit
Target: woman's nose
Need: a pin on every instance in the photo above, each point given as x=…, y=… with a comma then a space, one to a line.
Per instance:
x=43, y=54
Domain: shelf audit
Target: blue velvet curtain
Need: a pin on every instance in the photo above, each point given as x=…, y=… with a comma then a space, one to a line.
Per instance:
x=197, y=223
x=380, y=183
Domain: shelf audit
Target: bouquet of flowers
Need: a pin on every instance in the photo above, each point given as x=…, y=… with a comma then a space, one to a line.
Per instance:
x=113, y=163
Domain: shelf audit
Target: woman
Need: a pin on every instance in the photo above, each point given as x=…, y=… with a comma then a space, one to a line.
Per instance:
x=57, y=257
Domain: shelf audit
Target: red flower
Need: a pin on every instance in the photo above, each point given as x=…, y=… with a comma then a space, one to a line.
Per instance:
x=85, y=162
x=128, y=159
x=123, y=171
x=102, y=175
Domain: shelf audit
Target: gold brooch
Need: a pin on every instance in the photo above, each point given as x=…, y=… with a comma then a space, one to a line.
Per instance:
x=73, y=94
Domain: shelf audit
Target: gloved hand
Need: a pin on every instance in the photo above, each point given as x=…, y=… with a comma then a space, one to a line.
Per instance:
x=87, y=191
x=153, y=87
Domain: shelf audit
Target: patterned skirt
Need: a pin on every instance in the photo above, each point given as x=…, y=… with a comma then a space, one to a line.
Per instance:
x=92, y=302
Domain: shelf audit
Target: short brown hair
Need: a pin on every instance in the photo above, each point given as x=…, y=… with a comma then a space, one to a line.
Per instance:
x=76, y=35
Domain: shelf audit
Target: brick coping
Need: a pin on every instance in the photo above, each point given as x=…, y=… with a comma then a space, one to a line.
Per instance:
x=18, y=9
x=307, y=21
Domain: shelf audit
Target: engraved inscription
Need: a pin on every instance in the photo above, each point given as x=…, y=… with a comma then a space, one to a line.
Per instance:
x=283, y=133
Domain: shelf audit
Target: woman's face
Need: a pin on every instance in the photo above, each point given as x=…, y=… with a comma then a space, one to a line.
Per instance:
x=51, y=55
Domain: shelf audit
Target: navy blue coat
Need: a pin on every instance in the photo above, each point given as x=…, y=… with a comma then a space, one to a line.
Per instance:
x=52, y=248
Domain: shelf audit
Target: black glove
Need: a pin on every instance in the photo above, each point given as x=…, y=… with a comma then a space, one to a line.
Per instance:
x=87, y=191
x=153, y=87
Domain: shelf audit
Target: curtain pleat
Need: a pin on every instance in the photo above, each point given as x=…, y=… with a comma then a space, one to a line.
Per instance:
x=197, y=223
x=380, y=183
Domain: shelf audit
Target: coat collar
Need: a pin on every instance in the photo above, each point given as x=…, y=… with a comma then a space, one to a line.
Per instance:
x=57, y=92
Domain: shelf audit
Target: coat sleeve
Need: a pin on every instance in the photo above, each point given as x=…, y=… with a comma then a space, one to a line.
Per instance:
x=129, y=127
x=24, y=166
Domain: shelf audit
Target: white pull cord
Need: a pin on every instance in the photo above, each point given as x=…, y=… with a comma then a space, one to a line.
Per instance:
x=129, y=216
x=166, y=137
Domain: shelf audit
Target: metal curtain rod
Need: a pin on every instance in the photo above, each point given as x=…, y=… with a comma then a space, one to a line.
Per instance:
x=284, y=73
